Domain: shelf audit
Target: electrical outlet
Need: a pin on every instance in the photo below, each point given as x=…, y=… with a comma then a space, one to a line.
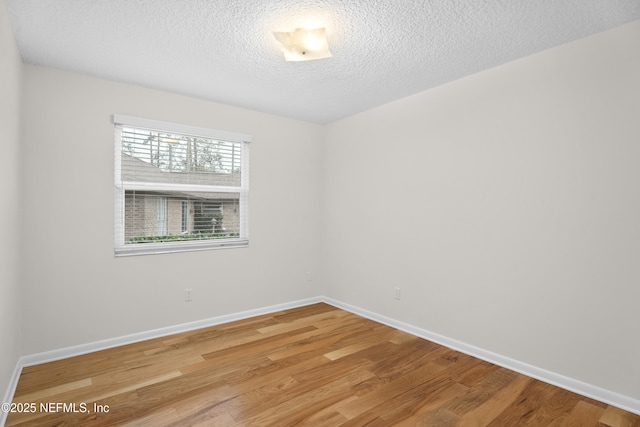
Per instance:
x=187, y=295
x=396, y=292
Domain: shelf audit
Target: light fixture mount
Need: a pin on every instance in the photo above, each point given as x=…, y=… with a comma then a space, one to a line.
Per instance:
x=304, y=44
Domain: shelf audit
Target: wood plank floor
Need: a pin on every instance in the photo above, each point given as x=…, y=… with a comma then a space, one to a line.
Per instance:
x=315, y=365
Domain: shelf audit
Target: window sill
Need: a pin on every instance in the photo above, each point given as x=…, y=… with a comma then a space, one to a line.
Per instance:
x=166, y=248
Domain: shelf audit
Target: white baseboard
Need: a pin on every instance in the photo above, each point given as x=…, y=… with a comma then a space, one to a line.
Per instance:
x=584, y=389
x=63, y=353
x=588, y=390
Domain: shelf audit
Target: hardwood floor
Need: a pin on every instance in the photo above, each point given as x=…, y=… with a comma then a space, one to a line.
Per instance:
x=315, y=365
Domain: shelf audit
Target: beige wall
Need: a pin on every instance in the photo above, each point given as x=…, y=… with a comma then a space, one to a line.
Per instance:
x=518, y=227
x=76, y=291
x=10, y=89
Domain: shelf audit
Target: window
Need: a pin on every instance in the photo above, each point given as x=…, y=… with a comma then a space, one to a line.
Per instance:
x=162, y=216
x=178, y=188
x=185, y=216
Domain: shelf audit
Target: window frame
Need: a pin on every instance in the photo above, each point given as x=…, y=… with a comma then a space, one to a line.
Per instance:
x=121, y=121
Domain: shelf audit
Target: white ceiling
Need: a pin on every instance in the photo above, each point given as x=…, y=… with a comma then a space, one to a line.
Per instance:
x=224, y=50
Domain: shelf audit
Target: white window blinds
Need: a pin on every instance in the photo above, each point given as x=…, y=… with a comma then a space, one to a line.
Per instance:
x=178, y=188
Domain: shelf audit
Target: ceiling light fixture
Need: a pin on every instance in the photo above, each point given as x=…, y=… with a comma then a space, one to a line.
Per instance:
x=304, y=45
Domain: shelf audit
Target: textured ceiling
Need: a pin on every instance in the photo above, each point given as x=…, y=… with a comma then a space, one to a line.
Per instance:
x=224, y=50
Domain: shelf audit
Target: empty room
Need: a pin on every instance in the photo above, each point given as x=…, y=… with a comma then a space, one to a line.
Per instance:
x=320, y=212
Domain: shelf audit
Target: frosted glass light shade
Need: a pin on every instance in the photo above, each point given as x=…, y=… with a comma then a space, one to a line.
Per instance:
x=304, y=45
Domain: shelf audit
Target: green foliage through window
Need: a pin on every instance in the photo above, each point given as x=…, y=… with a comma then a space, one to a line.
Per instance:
x=183, y=237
